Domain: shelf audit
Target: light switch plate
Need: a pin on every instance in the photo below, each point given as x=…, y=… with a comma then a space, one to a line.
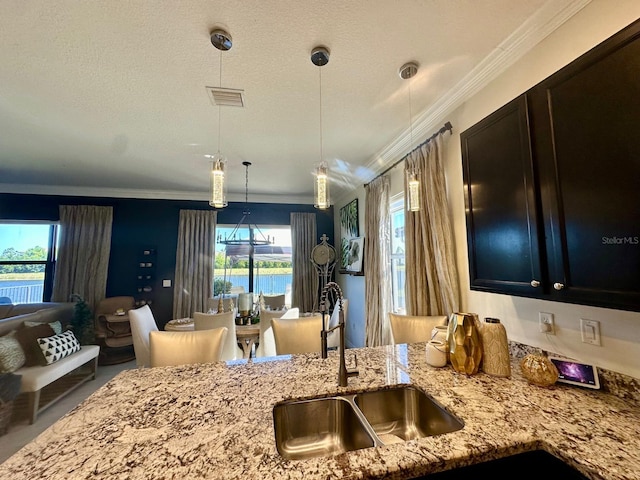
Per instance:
x=590, y=330
x=166, y=283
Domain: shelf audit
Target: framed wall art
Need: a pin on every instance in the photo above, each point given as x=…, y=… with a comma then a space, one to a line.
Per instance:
x=355, y=256
x=349, y=228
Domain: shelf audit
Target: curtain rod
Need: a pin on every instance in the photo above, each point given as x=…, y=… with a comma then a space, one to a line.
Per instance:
x=446, y=127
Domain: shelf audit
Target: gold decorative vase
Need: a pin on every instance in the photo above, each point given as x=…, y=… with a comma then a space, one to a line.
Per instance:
x=465, y=345
x=495, y=348
x=539, y=370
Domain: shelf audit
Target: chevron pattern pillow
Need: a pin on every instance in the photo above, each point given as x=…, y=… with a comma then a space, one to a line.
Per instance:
x=58, y=346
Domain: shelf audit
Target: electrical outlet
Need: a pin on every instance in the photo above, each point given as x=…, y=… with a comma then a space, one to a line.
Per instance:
x=590, y=330
x=546, y=323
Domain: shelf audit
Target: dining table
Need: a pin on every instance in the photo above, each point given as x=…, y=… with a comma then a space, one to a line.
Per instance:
x=247, y=335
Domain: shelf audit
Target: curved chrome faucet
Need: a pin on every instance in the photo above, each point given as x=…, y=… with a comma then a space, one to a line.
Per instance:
x=343, y=372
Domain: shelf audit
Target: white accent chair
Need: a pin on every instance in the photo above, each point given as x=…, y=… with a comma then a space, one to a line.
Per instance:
x=414, y=328
x=297, y=335
x=185, y=348
x=333, y=338
x=209, y=321
x=142, y=323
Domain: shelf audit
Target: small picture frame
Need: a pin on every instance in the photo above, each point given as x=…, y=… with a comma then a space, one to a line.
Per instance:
x=355, y=255
x=576, y=373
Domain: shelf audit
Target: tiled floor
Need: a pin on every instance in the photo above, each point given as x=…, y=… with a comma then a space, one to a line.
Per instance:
x=20, y=432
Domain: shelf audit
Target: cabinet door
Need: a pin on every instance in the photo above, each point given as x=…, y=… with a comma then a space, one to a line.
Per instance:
x=586, y=119
x=500, y=199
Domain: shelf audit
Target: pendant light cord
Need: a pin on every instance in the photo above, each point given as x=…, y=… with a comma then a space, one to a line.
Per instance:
x=320, y=78
x=219, y=108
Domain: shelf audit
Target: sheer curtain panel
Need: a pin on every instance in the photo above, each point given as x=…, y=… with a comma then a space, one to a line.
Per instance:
x=432, y=277
x=377, y=263
x=304, y=290
x=83, y=254
x=194, y=262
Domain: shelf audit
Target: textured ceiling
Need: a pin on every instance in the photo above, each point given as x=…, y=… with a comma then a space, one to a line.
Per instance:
x=109, y=97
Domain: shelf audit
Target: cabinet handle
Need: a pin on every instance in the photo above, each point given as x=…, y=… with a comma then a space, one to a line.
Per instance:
x=535, y=283
x=558, y=286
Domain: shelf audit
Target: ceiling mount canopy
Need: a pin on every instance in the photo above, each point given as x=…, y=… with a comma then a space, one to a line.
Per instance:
x=255, y=235
x=408, y=70
x=322, y=199
x=221, y=40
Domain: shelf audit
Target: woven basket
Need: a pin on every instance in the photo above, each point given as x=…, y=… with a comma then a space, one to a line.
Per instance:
x=6, y=409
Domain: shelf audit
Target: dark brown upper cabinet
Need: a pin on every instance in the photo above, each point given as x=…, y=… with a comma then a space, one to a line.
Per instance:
x=560, y=201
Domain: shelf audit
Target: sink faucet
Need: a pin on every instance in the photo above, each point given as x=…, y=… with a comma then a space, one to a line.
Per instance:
x=343, y=372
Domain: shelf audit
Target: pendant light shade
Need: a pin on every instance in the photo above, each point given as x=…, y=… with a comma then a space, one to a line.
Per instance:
x=321, y=187
x=218, y=197
x=413, y=186
x=322, y=198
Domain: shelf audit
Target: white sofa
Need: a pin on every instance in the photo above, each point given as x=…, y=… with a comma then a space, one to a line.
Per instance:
x=35, y=378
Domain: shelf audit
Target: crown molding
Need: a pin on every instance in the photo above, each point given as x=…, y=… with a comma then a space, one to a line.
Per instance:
x=75, y=191
x=536, y=28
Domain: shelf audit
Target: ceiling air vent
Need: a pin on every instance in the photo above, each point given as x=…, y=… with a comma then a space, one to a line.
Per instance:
x=226, y=97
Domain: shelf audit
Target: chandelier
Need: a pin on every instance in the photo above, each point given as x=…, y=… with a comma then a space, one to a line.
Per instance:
x=255, y=235
x=407, y=72
x=322, y=197
x=218, y=186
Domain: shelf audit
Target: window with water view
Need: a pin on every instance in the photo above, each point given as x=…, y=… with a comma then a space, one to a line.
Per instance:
x=27, y=260
x=267, y=268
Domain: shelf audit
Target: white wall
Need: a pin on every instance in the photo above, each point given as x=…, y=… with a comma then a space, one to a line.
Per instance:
x=620, y=330
x=352, y=286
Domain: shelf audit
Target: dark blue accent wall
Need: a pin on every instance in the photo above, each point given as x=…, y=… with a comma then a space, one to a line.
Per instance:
x=139, y=224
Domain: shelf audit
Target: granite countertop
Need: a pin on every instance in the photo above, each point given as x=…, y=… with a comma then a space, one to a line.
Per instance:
x=215, y=421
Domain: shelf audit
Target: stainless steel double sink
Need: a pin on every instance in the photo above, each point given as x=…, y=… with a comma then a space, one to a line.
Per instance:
x=325, y=426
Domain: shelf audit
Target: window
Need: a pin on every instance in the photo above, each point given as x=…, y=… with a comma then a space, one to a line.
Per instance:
x=27, y=261
x=398, y=273
x=267, y=268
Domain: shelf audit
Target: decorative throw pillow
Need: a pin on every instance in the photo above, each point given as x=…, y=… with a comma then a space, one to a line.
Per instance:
x=28, y=339
x=55, y=326
x=58, y=346
x=11, y=354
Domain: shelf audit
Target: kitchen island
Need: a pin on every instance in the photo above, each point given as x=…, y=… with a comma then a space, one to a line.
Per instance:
x=215, y=421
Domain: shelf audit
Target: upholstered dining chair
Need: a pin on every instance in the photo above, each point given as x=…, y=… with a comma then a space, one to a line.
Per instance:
x=267, y=343
x=229, y=302
x=142, y=323
x=209, y=321
x=184, y=348
x=414, y=328
x=291, y=313
x=297, y=335
x=273, y=302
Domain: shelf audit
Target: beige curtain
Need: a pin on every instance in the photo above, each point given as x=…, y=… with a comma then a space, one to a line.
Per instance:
x=304, y=290
x=195, y=257
x=377, y=263
x=83, y=254
x=432, y=277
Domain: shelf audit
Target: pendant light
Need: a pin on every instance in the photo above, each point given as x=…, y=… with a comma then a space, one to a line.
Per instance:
x=406, y=72
x=218, y=185
x=322, y=197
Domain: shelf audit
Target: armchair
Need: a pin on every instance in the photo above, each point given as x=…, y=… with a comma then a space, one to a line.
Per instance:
x=113, y=331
